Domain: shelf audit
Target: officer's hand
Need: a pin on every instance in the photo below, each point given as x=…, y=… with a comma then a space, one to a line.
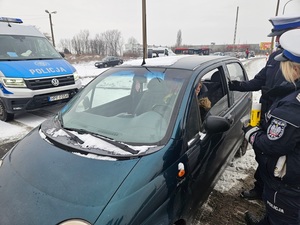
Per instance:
x=250, y=133
x=234, y=84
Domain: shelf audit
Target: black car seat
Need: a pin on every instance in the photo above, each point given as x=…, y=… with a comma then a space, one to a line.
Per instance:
x=153, y=96
x=215, y=92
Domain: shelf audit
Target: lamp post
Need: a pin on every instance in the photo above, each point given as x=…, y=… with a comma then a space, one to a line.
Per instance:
x=51, y=26
x=285, y=5
x=276, y=13
x=236, y=21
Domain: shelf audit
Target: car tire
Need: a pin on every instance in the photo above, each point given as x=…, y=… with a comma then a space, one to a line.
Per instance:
x=105, y=65
x=4, y=115
x=242, y=149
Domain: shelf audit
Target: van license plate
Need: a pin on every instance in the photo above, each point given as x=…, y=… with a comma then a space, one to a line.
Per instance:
x=58, y=97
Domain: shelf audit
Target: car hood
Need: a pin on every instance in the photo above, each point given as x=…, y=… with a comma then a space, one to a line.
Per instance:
x=35, y=68
x=41, y=180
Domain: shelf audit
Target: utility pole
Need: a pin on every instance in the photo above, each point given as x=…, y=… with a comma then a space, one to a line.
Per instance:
x=144, y=24
x=51, y=25
x=236, y=21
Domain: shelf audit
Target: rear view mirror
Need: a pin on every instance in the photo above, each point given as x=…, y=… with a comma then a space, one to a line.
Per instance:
x=86, y=103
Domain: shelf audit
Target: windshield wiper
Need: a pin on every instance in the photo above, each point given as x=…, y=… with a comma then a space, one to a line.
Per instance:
x=60, y=119
x=73, y=136
x=61, y=125
x=110, y=141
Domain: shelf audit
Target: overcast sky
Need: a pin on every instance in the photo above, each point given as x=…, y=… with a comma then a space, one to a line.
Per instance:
x=201, y=21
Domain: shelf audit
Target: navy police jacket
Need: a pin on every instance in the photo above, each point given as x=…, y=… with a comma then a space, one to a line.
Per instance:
x=282, y=137
x=267, y=78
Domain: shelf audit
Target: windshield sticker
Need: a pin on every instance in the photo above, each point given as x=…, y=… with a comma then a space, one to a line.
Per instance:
x=12, y=54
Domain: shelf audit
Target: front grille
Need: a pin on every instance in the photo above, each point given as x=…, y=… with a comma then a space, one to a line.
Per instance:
x=42, y=83
x=40, y=101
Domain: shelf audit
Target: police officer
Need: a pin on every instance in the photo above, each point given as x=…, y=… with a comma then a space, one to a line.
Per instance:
x=268, y=78
x=278, y=147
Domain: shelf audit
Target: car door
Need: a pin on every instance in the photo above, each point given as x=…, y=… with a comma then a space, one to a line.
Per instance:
x=113, y=61
x=208, y=153
x=232, y=107
x=240, y=102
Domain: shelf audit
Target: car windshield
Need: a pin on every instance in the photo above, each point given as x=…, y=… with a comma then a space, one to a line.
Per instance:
x=20, y=47
x=133, y=105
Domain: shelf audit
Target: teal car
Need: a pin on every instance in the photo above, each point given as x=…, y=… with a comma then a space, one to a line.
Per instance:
x=131, y=148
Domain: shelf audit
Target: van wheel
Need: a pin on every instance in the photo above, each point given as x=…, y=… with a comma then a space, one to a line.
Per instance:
x=5, y=116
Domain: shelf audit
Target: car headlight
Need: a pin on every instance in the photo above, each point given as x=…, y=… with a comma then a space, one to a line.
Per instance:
x=13, y=82
x=76, y=75
x=75, y=222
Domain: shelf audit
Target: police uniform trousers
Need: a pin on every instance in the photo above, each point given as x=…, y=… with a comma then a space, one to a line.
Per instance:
x=281, y=209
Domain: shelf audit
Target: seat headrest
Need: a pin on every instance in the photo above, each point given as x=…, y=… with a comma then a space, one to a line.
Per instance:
x=216, y=77
x=156, y=84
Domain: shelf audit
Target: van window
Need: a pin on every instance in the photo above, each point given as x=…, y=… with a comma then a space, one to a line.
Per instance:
x=20, y=47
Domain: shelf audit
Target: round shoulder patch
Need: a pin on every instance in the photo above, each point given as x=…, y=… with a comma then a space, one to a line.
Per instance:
x=276, y=129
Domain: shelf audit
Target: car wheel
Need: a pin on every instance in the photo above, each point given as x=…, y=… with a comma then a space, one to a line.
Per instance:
x=5, y=116
x=105, y=65
x=242, y=149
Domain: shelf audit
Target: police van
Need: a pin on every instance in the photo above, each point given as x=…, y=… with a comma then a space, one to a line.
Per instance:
x=32, y=73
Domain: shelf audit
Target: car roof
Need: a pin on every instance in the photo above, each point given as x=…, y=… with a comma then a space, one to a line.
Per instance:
x=189, y=62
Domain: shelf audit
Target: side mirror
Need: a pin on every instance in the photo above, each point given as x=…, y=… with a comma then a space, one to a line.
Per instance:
x=216, y=124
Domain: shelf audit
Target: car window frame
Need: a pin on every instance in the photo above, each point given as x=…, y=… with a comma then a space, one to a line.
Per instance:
x=199, y=75
x=219, y=66
x=235, y=96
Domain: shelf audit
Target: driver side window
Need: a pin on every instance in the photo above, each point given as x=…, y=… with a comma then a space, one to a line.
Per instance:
x=214, y=81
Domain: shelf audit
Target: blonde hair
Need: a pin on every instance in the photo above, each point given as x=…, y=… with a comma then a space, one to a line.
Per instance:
x=290, y=70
